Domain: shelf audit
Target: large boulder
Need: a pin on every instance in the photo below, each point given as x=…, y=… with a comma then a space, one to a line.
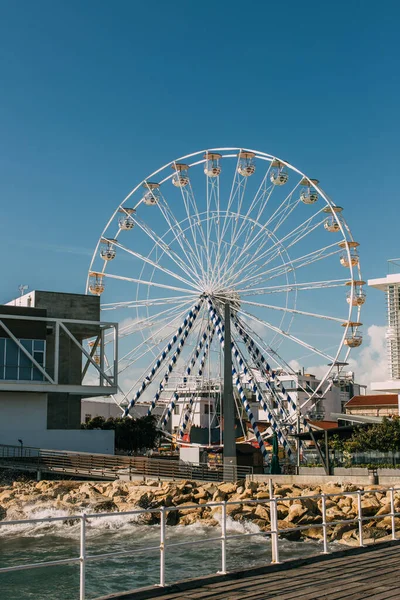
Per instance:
x=227, y=488
x=296, y=511
x=370, y=506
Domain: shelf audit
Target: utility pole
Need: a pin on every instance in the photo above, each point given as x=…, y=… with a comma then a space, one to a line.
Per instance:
x=228, y=402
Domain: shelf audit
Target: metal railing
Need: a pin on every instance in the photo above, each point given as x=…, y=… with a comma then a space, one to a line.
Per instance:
x=274, y=532
x=74, y=331
x=109, y=466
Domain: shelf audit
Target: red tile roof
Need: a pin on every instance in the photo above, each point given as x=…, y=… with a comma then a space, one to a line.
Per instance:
x=374, y=400
x=324, y=424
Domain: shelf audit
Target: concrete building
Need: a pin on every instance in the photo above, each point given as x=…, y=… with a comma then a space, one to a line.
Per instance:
x=379, y=405
x=316, y=404
x=46, y=368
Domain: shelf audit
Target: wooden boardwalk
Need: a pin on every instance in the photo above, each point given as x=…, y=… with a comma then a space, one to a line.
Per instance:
x=358, y=574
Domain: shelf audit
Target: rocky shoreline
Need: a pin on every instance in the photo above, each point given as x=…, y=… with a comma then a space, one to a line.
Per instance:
x=22, y=500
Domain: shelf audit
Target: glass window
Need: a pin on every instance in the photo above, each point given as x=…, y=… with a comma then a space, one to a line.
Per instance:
x=15, y=365
x=2, y=357
x=12, y=352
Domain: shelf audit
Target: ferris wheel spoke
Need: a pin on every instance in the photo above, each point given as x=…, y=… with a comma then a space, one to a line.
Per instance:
x=188, y=200
x=225, y=224
x=241, y=189
x=181, y=238
x=298, y=233
x=312, y=285
x=297, y=263
x=287, y=335
x=282, y=208
x=154, y=264
x=147, y=302
x=160, y=243
x=293, y=311
x=149, y=283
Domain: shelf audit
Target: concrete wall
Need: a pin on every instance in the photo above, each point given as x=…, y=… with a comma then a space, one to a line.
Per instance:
x=20, y=411
x=99, y=408
x=77, y=440
x=24, y=416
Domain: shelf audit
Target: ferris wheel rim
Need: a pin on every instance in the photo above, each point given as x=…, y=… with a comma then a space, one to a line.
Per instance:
x=346, y=235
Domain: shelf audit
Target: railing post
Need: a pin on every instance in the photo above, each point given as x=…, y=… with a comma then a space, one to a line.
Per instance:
x=223, y=539
x=274, y=530
x=56, y=351
x=324, y=526
x=360, y=519
x=392, y=510
x=162, y=545
x=82, y=558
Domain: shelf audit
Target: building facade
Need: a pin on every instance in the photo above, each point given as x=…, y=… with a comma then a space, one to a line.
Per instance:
x=391, y=286
x=47, y=367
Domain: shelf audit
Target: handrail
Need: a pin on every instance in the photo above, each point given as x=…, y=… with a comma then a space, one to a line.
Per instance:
x=115, y=466
x=163, y=546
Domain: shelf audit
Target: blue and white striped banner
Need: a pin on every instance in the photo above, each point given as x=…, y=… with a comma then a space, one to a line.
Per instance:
x=173, y=360
x=192, y=314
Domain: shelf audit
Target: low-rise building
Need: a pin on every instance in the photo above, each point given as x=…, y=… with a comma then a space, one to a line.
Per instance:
x=373, y=405
x=52, y=348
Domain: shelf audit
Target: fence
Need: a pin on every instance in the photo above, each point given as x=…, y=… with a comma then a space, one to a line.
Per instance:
x=107, y=466
x=164, y=547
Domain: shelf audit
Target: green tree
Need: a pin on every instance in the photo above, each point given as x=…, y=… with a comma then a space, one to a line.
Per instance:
x=130, y=434
x=383, y=437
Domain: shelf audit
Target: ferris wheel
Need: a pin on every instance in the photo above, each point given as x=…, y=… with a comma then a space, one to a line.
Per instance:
x=237, y=227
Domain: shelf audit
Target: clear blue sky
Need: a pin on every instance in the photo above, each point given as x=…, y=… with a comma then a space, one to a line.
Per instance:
x=95, y=95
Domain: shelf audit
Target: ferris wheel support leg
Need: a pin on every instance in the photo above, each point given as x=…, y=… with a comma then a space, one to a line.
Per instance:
x=220, y=327
x=228, y=405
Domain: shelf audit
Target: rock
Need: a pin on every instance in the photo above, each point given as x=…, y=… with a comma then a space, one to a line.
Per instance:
x=201, y=494
x=288, y=535
x=3, y=513
x=145, y=500
x=233, y=509
x=370, y=506
x=172, y=517
x=240, y=489
x=104, y=506
x=211, y=488
x=219, y=496
x=282, y=491
x=188, y=511
x=262, y=512
x=263, y=495
x=334, y=514
x=282, y=511
x=182, y=499
x=296, y=511
x=251, y=485
x=152, y=482
x=7, y=495
x=227, y=488
x=314, y=533
x=385, y=509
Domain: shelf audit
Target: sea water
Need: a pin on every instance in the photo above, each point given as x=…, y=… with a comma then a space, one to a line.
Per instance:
x=31, y=543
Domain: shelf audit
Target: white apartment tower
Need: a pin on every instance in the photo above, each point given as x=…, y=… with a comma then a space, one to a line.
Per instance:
x=391, y=286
